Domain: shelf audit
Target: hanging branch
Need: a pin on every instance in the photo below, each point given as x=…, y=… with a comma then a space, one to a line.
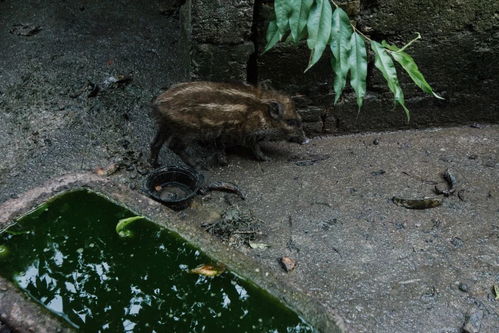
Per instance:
x=322, y=26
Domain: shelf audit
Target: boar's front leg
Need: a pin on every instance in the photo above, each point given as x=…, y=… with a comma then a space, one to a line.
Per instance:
x=257, y=151
x=158, y=141
x=221, y=157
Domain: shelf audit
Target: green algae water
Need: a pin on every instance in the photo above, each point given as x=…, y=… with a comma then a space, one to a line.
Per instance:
x=67, y=256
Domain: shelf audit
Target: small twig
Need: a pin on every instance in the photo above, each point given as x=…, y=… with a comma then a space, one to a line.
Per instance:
x=244, y=232
x=421, y=179
x=322, y=204
x=208, y=226
x=370, y=40
x=409, y=44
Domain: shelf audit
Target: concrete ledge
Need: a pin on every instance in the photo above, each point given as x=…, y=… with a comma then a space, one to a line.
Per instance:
x=19, y=312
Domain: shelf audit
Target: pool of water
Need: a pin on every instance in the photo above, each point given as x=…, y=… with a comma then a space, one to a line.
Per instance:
x=67, y=256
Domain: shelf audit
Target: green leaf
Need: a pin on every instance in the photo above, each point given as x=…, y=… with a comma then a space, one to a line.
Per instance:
x=384, y=63
x=300, y=9
x=282, y=13
x=17, y=233
x=409, y=65
x=341, y=32
x=273, y=35
x=121, y=226
x=319, y=30
x=357, y=61
x=4, y=251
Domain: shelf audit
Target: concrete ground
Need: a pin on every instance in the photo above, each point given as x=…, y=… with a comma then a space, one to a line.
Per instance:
x=384, y=268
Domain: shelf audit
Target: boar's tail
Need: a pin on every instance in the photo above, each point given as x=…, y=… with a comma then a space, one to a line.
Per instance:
x=155, y=111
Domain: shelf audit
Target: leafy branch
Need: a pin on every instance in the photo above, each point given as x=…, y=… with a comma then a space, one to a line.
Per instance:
x=316, y=21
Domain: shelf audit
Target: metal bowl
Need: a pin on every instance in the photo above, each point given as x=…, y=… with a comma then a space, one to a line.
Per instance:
x=173, y=185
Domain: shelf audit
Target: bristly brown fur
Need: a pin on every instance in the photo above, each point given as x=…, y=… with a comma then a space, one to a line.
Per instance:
x=222, y=114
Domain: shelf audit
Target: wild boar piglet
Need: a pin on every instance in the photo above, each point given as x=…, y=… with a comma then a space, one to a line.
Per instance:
x=222, y=115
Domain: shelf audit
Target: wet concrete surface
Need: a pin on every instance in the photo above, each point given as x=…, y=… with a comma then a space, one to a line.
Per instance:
x=59, y=107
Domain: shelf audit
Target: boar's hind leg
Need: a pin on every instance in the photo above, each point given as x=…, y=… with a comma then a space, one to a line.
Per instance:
x=221, y=158
x=257, y=151
x=179, y=147
x=156, y=144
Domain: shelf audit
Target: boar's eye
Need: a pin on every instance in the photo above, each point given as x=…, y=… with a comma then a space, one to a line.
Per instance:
x=275, y=110
x=293, y=122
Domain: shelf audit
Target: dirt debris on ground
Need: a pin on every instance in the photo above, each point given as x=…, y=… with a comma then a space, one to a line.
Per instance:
x=235, y=226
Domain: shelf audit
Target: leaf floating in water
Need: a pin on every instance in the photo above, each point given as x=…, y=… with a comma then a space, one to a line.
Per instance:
x=121, y=227
x=209, y=270
x=496, y=291
x=4, y=252
x=17, y=233
x=417, y=203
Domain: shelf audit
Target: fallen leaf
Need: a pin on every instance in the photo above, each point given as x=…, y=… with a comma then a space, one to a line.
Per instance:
x=209, y=270
x=417, y=203
x=121, y=226
x=108, y=170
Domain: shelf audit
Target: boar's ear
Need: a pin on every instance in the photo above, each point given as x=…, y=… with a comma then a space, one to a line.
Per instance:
x=275, y=110
x=265, y=85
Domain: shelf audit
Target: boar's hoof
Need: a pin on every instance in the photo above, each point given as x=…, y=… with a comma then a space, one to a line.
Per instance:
x=221, y=159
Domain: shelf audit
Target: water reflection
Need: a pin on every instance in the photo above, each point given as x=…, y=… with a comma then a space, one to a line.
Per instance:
x=100, y=282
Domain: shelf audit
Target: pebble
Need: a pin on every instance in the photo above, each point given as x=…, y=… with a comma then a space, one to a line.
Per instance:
x=463, y=287
x=288, y=264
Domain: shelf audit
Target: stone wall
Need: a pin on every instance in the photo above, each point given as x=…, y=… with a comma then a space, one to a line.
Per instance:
x=457, y=55
x=221, y=44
